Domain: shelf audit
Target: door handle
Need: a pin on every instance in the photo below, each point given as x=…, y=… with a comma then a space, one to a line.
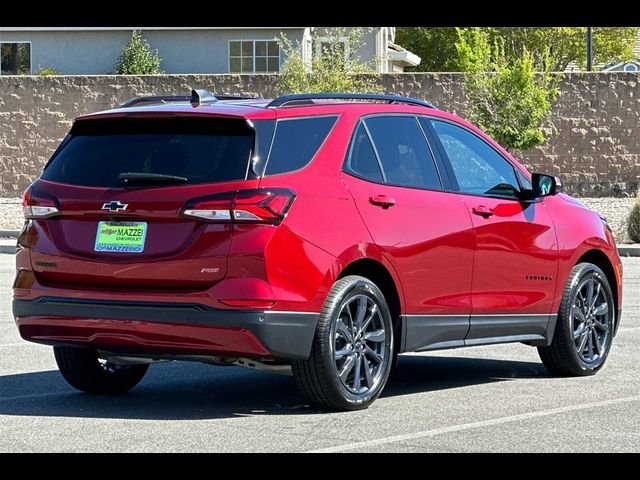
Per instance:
x=382, y=201
x=481, y=210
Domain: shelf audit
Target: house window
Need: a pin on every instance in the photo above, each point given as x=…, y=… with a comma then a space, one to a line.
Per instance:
x=329, y=46
x=254, y=56
x=15, y=58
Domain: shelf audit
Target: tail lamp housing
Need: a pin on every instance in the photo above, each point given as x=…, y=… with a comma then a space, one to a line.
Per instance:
x=36, y=205
x=258, y=205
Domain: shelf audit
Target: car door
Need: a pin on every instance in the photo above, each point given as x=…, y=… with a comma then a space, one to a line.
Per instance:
x=424, y=231
x=516, y=257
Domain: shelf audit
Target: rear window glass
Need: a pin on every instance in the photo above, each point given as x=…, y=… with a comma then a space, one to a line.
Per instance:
x=296, y=142
x=200, y=150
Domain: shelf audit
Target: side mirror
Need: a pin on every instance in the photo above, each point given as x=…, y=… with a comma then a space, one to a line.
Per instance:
x=541, y=186
x=545, y=185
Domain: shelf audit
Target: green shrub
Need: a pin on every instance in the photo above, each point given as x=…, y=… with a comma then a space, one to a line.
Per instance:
x=47, y=72
x=138, y=58
x=509, y=95
x=633, y=225
x=337, y=69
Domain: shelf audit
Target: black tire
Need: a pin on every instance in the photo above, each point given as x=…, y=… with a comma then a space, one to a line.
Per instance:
x=318, y=377
x=562, y=357
x=82, y=369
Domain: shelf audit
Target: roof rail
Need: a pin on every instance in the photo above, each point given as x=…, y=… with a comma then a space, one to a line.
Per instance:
x=156, y=99
x=196, y=98
x=307, y=98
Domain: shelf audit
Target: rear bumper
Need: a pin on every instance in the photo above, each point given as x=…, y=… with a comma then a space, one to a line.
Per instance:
x=165, y=328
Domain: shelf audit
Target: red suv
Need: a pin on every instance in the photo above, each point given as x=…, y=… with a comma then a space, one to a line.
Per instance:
x=318, y=234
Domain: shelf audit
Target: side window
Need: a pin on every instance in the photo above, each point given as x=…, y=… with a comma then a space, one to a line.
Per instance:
x=478, y=168
x=404, y=154
x=296, y=142
x=524, y=181
x=363, y=160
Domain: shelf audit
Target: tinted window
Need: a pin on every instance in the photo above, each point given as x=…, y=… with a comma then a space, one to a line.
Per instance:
x=524, y=181
x=296, y=142
x=363, y=158
x=203, y=151
x=478, y=168
x=403, y=150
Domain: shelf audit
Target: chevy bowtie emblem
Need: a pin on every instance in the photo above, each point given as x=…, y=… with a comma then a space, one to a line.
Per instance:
x=115, y=206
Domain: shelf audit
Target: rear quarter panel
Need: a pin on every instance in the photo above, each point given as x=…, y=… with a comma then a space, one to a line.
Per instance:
x=324, y=217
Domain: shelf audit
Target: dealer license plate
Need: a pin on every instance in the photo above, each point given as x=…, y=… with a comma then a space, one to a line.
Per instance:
x=121, y=237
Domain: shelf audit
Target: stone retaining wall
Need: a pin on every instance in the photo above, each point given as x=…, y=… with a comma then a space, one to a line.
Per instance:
x=593, y=131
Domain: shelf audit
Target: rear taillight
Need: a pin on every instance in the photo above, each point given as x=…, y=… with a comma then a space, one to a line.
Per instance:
x=244, y=206
x=36, y=205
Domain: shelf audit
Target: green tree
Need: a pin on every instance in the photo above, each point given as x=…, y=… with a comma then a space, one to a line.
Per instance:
x=568, y=44
x=338, y=68
x=563, y=45
x=436, y=46
x=509, y=95
x=138, y=58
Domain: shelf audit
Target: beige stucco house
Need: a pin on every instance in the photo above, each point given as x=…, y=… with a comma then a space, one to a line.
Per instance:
x=94, y=50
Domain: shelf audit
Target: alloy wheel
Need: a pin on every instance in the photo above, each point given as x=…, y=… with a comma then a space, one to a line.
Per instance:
x=359, y=345
x=591, y=320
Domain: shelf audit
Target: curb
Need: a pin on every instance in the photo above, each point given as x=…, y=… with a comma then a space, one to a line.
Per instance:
x=9, y=233
x=629, y=250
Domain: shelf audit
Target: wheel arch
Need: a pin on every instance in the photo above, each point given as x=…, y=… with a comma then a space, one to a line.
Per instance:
x=602, y=261
x=382, y=277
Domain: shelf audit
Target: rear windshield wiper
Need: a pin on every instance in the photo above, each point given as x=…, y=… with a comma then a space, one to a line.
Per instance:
x=134, y=177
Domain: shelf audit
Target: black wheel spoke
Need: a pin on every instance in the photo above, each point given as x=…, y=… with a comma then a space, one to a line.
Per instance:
x=597, y=342
x=589, y=286
x=367, y=371
x=373, y=356
x=360, y=313
x=345, y=331
x=356, y=373
x=580, y=332
x=347, y=367
x=601, y=326
x=601, y=309
x=583, y=341
x=372, y=313
x=344, y=352
x=375, y=336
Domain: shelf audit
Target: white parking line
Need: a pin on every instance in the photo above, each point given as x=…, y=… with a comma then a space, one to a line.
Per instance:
x=468, y=426
x=18, y=344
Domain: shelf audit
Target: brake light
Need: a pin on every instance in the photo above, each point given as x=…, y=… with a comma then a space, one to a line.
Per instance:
x=244, y=206
x=38, y=206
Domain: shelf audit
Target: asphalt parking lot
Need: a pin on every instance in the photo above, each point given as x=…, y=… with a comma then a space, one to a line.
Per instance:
x=494, y=399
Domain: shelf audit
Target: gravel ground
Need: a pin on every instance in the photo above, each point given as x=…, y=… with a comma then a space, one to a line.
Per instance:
x=10, y=213
x=615, y=210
